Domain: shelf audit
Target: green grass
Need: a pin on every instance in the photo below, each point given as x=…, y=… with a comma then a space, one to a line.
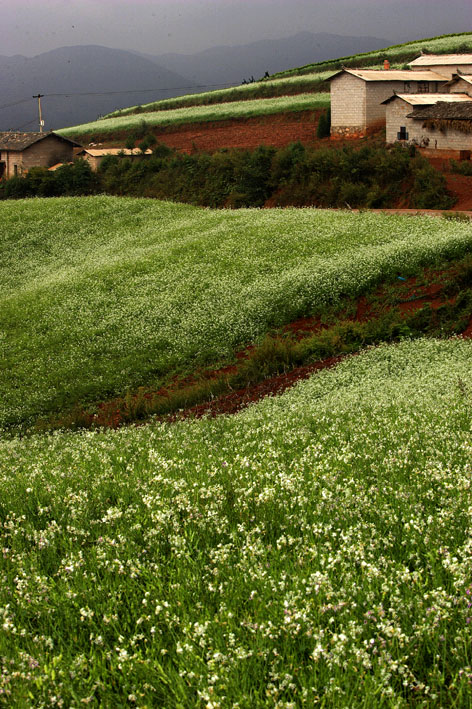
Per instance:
x=103, y=294
x=202, y=114
x=311, y=551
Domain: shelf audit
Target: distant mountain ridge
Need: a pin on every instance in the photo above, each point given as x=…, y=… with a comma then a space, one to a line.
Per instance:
x=86, y=69
x=101, y=74
x=233, y=64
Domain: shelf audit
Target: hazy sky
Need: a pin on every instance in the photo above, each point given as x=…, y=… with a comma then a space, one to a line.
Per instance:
x=185, y=26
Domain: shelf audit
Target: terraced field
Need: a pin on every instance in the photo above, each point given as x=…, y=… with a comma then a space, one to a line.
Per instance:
x=103, y=294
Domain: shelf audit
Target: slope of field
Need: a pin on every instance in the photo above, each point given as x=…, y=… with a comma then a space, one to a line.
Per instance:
x=446, y=44
x=202, y=114
x=314, y=550
x=101, y=294
x=312, y=77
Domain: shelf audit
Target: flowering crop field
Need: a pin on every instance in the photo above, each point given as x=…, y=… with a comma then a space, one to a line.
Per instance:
x=234, y=93
x=203, y=114
x=314, y=550
x=102, y=294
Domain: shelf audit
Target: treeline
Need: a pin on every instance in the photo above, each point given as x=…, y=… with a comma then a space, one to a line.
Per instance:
x=372, y=176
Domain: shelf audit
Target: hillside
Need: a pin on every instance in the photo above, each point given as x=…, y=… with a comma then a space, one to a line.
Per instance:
x=290, y=93
x=121, y=292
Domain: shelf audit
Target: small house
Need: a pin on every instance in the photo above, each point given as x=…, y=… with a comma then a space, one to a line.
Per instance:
x=444, y=126
x=400, y=106
x=95, y=156
x=357, y=96
x=21, y=151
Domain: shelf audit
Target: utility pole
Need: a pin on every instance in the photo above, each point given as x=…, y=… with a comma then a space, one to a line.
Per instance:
x=41, y=122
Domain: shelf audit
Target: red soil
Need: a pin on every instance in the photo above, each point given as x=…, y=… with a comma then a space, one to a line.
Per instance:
x=277, y=131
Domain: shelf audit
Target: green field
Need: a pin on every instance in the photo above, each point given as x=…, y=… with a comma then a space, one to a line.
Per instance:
x=202, y=114
x=103, y=294
x=314, y=550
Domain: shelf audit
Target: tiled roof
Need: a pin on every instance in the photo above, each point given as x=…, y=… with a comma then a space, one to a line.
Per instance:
x=456, y=111
x=10, y=140
x=393, y=75
x=429, y=99
x=441, y=59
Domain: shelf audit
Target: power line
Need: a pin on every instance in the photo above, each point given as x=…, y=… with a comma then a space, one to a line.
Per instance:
x=228, y=84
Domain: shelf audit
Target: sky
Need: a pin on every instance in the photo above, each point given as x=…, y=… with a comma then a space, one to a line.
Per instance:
x=31, y=27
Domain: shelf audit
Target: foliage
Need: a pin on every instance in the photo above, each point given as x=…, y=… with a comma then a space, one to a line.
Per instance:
x=372, y=176
x=70, y=179
x=324, y=125
x=99, y=295
x=464, y=167
x=313, y=550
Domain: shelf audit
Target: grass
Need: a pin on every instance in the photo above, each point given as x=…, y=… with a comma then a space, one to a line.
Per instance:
x=121, y=293
x=202, y=114
x=311, y=551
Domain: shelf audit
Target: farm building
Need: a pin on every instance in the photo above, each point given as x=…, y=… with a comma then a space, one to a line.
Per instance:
x=444, y=126
x=21, y=151
x=445, y=64
x=357, y=96
x=399, y=106
x=95, y=156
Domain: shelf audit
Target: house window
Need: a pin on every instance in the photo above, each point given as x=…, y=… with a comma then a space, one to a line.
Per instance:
x=423, y=87
x=406, y=87
x=15, y=170
x=402, y=134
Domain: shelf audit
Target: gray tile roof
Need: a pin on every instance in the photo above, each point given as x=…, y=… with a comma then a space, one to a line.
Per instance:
x=10, y=140
x=456, y=111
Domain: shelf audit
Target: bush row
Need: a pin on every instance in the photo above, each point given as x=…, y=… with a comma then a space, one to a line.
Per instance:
x=372, y=176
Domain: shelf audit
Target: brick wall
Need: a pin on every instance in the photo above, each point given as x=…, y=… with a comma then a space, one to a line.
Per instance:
x=450, y=140
x=347, y=105
x=46, y=152
x=396, y=118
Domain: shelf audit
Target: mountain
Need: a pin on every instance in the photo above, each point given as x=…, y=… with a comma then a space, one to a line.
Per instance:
x=90, y=70
x=220, y=65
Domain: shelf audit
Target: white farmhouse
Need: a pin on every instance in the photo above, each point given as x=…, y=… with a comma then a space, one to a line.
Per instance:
x=357, y=96
x=401, y=127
